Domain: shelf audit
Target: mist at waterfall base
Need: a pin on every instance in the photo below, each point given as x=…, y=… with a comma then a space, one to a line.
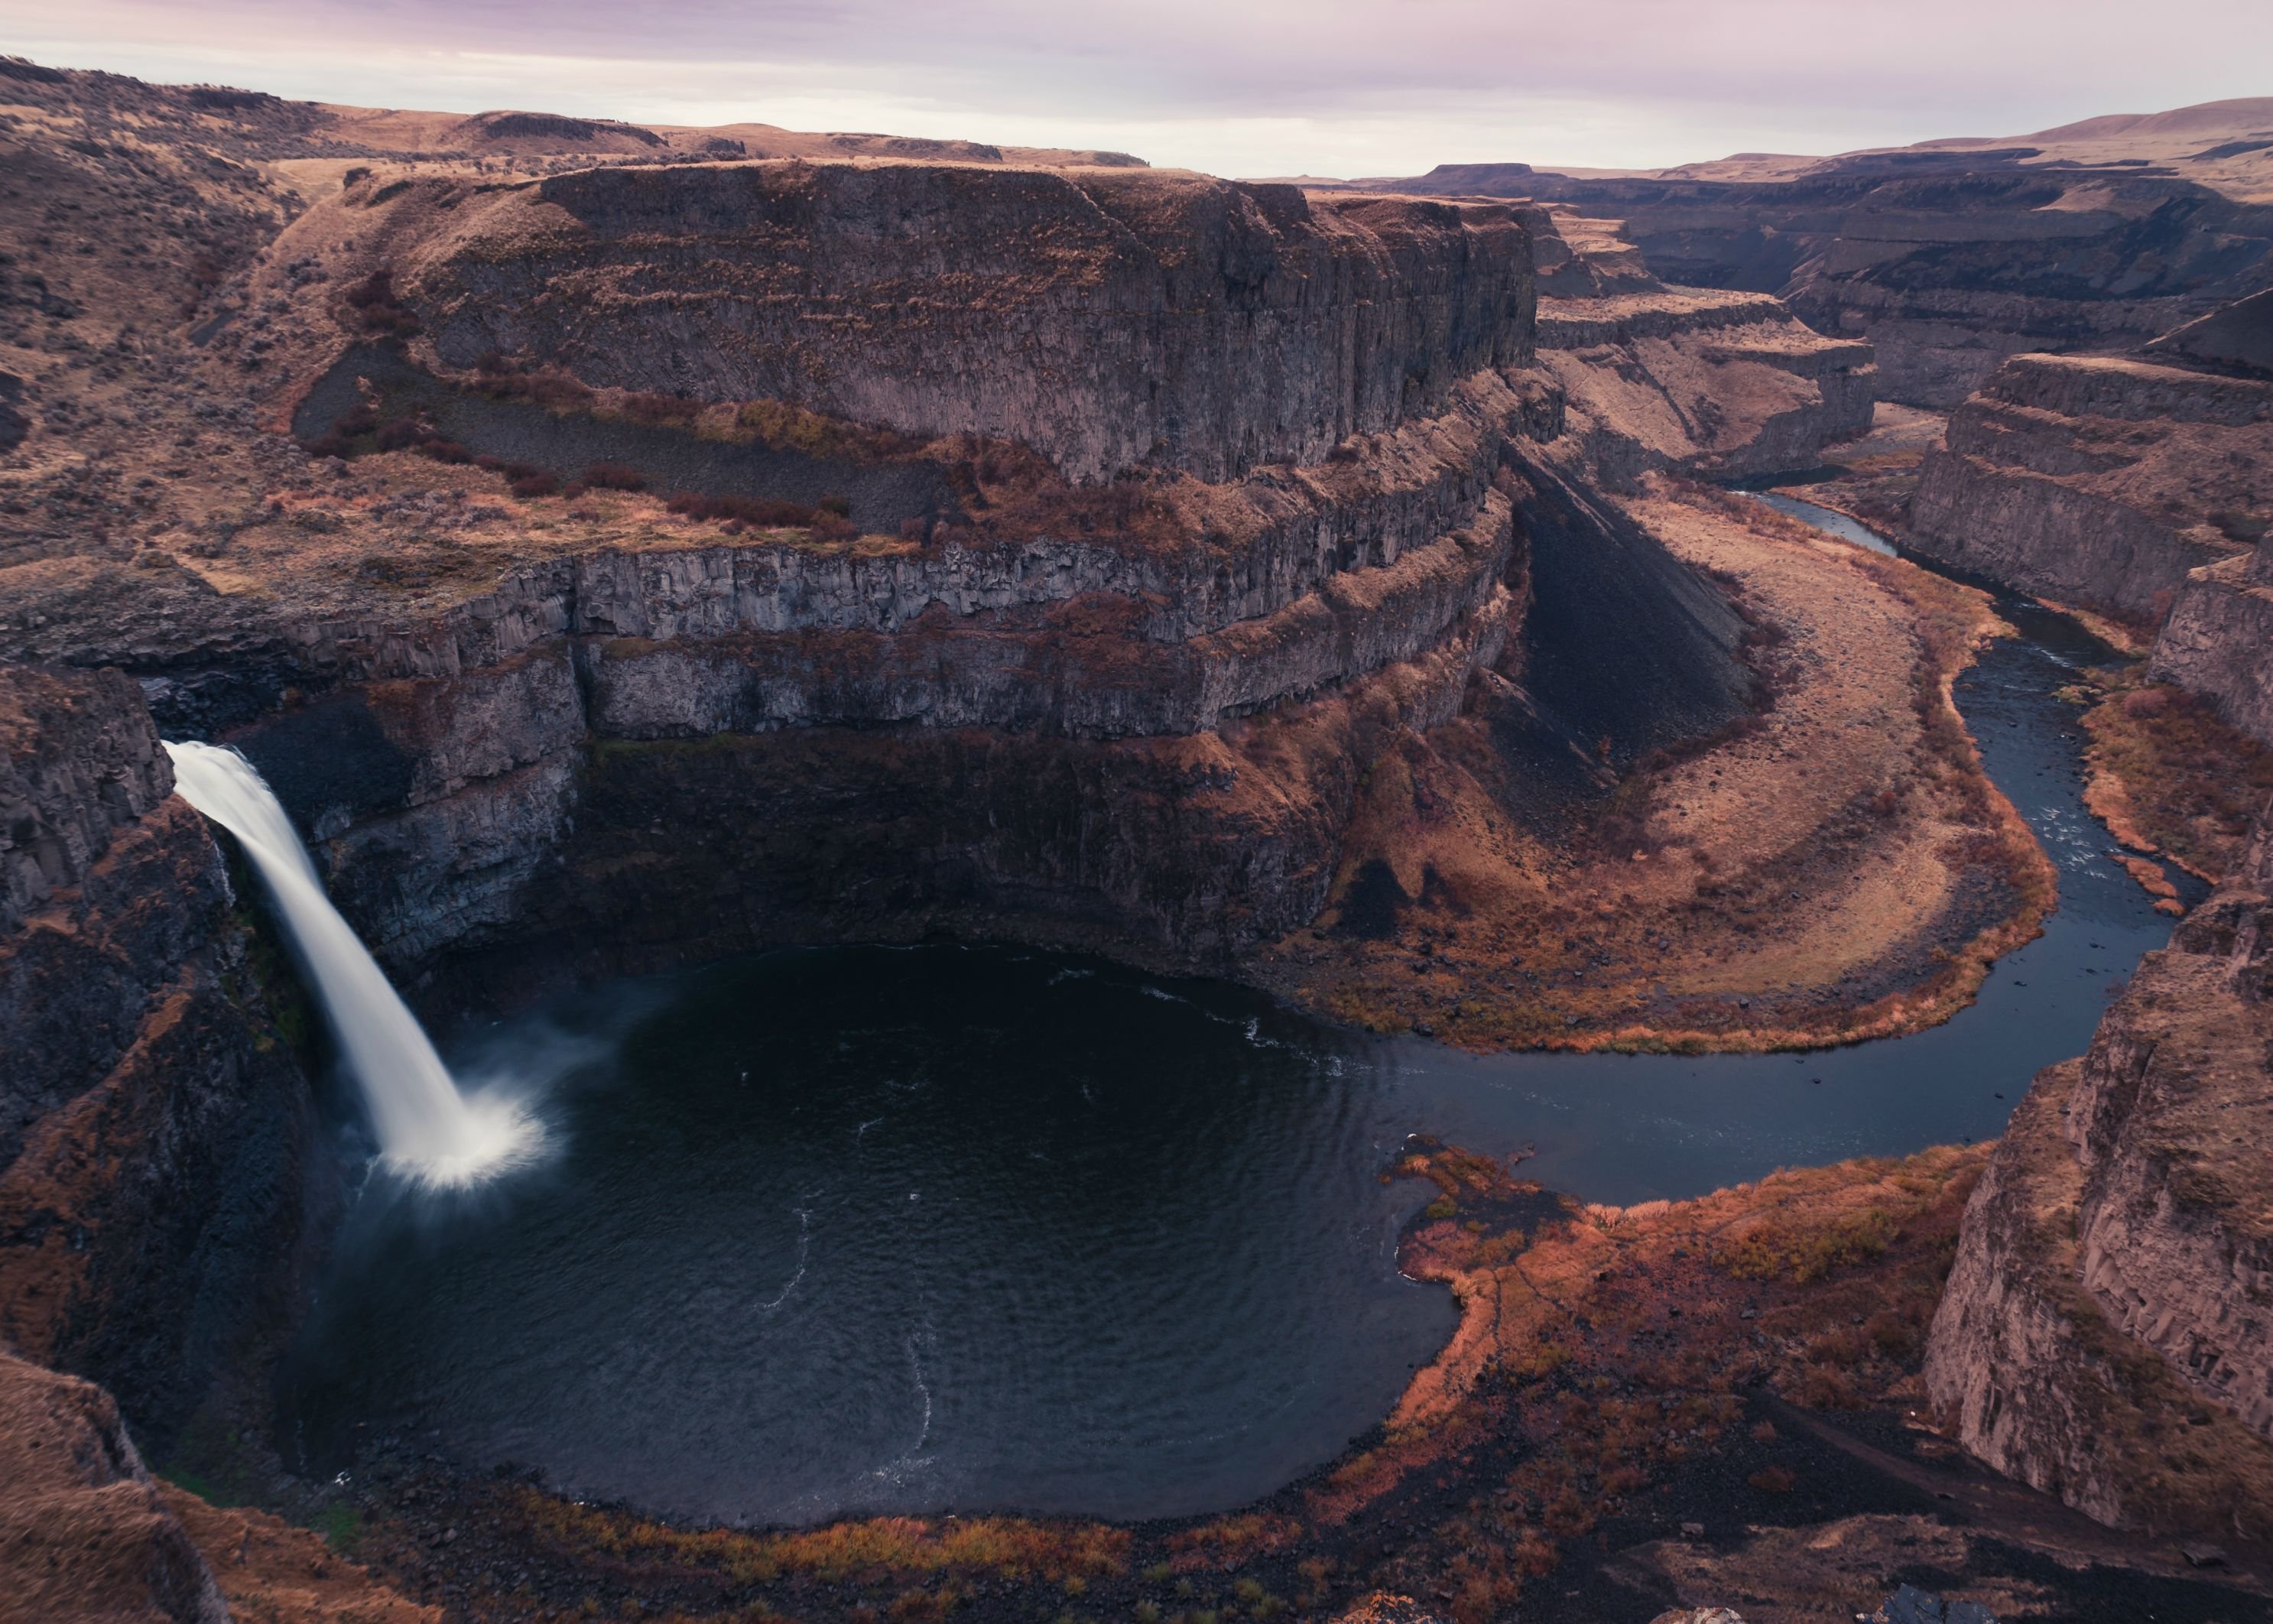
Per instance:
x=429, y=1131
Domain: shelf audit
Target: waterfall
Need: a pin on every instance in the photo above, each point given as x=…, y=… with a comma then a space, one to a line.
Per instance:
x=427, y=1129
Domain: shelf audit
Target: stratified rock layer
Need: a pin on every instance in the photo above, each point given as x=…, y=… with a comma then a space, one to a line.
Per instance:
x=2100, y=481
x=1946, y=261
x=1106, y=317
x=1704, y=382
x=2218, y=642
x=2107, y=1330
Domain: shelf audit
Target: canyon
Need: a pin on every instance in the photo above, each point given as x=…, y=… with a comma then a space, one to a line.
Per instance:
x=625, y=547
x=1951, y=255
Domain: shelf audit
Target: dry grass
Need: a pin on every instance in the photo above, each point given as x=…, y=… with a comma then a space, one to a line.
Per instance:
x=2169, y=776
x=1836, y=868
x=1618, y=1345
x=1006, y=1547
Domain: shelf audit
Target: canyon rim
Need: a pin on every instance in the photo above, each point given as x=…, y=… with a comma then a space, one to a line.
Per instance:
x=1521, y=892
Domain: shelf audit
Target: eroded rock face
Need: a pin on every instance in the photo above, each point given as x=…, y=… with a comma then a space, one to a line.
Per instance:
x=2107, y=1332
x=1704, y=382
x=79, y=762
x=1712, y=383
x=1106, y=317
x=2218, y=642
x=2100, y=481
x=153, y=1127
x=1946, y=262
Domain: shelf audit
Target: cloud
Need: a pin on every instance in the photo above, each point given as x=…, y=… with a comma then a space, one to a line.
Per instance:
x=1267, y=86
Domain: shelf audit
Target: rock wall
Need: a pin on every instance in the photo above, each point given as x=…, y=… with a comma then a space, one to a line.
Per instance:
x=154, y=1127
x=89, y=1535
x=2100, y=481
x=2107, y=1330
x=1945, y=262
x=1718, y=384
x=444, y=770
x=2218, y=642
x=876, y=778
x=1104, y=318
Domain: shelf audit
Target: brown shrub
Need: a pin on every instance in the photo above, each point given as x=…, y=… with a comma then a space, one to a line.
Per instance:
x=1805, y=1251
x=535, y=484
x=614, y=476
x=1773, y=1480
x=379, y=311
x=1891, y=1333
x=658, y=411
x=762, y=512
x=555, y=391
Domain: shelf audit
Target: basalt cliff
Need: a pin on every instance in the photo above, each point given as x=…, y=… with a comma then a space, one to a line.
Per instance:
x=2102, y=481
x=1709, y=381
x=1952, y=255
x=1056, y=571
x=2137, y=486
x=2104, y=1333
x=622, y=547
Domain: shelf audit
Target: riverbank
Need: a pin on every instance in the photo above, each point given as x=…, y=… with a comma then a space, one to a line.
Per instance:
x=1835, y=867
x=2170, y=777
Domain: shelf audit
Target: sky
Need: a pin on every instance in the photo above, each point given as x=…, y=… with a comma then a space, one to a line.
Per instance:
x=1241, y=88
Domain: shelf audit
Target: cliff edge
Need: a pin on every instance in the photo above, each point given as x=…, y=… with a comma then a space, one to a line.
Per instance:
x=2101, y=481
x=2107, y=1330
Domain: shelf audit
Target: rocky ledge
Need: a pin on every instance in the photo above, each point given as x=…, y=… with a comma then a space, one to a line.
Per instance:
x=1103, y=317
x=1021, y=679
x=1946, y=260
x=2100, y=481
x=2218, y=642
x=1702, y=380
x=2106, y=1332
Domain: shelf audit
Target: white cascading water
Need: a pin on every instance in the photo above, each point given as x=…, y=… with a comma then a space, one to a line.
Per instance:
x=427, y=1129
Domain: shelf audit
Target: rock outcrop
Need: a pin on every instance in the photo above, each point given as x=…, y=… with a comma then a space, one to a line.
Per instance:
x=2100, y=481
x=88, y=1536
x=153, y=1126
x=445, y=766
x=1104, y=318
x=2236, y=339
x=2218, y=642
x=1946, y=260
x=84, y=1534
x=1715, y=383
x=1129, y=713
x=2107, y=1330
x=1701, y=380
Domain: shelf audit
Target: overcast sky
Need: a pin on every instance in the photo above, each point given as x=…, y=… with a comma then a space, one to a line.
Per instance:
x=1235, y=86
